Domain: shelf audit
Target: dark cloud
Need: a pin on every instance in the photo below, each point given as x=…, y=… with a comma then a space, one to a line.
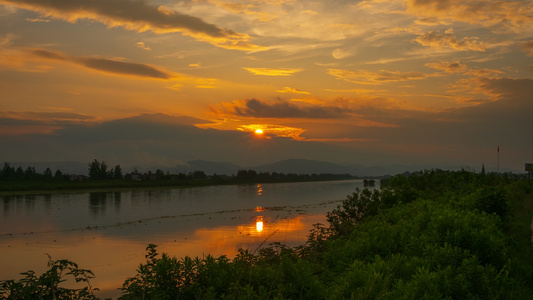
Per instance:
x=127, y=11
x=282, y=109
x=27, y=123
x=106, y=65
x=136, y=15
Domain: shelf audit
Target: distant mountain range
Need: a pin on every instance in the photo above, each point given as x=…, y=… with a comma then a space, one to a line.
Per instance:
x=296, y=166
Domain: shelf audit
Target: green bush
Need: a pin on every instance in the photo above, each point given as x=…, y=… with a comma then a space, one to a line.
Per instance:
x=47, y=285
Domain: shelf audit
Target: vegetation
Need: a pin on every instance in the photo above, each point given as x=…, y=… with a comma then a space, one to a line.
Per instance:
x=428, y=235
x=47, y=285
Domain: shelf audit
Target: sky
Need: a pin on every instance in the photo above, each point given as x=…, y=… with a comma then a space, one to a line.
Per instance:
x=161, y=82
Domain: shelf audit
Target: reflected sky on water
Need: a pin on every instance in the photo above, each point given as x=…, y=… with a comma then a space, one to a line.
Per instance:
x=107, y=232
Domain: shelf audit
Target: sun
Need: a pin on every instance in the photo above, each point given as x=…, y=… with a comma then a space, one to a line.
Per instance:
x=259, y=131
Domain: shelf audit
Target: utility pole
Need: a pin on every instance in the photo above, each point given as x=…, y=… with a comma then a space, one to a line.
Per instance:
x=498, y=159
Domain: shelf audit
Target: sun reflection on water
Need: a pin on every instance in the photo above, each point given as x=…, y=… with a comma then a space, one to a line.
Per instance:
x=259, y=224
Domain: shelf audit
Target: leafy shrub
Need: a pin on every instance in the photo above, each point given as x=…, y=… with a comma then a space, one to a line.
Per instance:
x=360, y=204
x=47, y=285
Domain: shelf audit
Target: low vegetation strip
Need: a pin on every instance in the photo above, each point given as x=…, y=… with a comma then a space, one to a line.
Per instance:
x=100, y=176
x=428, y=235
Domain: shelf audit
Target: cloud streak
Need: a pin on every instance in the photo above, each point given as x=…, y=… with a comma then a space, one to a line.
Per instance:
x=31, y=122
x=138, y=16
x=106, y=65
x=382, y=76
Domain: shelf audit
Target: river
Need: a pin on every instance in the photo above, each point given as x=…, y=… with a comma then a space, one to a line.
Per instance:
x=107, y=232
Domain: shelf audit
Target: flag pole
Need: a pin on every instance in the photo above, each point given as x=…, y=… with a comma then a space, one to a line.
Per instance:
x=498, y=159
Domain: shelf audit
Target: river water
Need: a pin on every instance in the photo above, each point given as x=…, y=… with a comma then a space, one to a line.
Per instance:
x=107, y=232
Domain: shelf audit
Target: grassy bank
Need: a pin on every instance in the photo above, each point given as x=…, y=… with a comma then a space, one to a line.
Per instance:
x=429, y=235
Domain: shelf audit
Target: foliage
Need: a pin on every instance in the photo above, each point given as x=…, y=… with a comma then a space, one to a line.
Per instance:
x=47, y=285
x=98, y=170
x=360, y=204
x=10, y=173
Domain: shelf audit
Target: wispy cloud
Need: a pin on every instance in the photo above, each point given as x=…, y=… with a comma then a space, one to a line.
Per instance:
x=382, y=76
x=143, y=46
x=36, y=20
x=527, y=47
x=272, y=72
x=290, y=90
x=31, y=122
x=449, y=40
x=137, y=16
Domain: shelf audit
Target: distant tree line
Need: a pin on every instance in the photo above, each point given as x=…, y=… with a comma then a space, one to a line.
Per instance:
x=101, y=171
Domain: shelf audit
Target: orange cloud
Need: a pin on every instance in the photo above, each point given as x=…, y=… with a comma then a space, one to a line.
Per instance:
x=448, y=40
x=137, y=16
x=143, y=46
x=511, y=15
x=367, y=77
x=272, y=72
x=289, y=90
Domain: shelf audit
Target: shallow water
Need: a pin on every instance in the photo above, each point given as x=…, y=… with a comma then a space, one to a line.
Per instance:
x=107, y=232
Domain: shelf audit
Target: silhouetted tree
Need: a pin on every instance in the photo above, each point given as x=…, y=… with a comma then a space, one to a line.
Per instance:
x=246, y=174
x=30, y=173
x=199, y=175
x=7, y=171
x=47, y=173
x=98, y=170
x=117, y=172
x=159, y=174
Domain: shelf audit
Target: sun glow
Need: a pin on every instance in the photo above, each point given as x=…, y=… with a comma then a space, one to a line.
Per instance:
x=259, y=131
